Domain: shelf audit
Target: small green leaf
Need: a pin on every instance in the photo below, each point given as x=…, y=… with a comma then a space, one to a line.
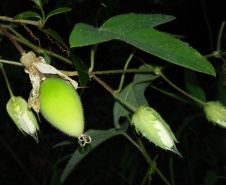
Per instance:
x=27, y=14
x=58, y=11
x=133, y=94
x=140, y=33
x=81, y=69
x=38, y=3
x=46, y=57
x=55, y=36
x=98, y=137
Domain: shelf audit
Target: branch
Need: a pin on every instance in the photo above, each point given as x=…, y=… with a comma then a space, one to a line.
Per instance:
x=25, y=21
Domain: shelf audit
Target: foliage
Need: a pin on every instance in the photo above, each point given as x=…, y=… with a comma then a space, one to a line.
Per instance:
x=149, y=62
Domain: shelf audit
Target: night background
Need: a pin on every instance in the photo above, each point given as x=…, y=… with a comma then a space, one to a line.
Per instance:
x=117, y=161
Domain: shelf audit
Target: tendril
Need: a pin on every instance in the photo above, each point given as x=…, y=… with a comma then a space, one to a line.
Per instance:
x=56, y=43
x=84, y=139
x=31, y=34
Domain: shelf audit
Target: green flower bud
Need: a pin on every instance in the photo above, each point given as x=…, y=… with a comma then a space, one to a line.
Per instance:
x=22, y=116
x=216, y=113
x=150, y=124
x=61, y=106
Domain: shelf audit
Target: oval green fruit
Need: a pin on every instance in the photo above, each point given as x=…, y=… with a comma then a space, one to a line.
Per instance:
x=61, y=106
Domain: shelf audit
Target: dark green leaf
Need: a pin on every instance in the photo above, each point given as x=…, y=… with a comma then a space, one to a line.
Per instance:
x=28, y=14
x=84, y=35
x=193, y=86
x=58, y=11
x=133, y=94
x=82, y=70
x=64, y=143
x=88, y=35
x=98, y=137
x=56, y=36
x=131, y=21
x=137, y=30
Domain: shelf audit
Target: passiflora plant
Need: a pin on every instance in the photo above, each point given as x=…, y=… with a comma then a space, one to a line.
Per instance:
x=54, y=92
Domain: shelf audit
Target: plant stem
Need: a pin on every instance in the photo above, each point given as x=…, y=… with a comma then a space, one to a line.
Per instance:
x=142, y=149
x=11, y=62
x=15, y=32
x=25, y=21
x=150, y=162
x=116, y=95
x=40, y=50
x=132, y=141
x=13, y=41
x=92, y=55
x=123, y=74
x=126, y=71
x=43, y=17
x=158, y=71
x=7, y=82
x=214, y=54
x=219, y=36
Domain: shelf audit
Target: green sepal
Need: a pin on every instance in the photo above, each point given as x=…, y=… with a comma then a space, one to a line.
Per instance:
x=145, y=120
x=22, y=116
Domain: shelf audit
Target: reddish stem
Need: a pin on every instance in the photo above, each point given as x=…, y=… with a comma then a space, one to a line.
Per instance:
x=13, y=41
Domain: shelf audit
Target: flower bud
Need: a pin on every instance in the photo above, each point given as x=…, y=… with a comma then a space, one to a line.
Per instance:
x=61, y=106
x=150, y=124
x=22, y=116
x=216, y=113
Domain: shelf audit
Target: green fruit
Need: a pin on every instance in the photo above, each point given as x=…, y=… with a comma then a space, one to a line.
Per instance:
x=61, y=106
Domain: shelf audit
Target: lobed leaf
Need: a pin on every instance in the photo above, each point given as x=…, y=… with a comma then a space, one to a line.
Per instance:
x=137, y=30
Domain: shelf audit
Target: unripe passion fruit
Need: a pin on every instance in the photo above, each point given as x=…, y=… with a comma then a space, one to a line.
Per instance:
x=61, y=106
